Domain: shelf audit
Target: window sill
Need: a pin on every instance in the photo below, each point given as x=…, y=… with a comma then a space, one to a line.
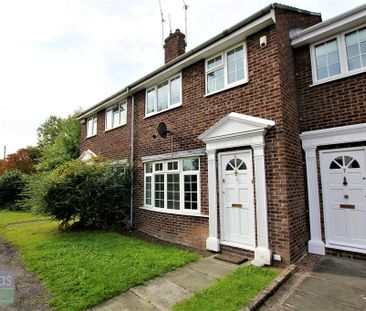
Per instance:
x=340, y=76
x=155, y=113
x=227, y=87
x=175, y=212
x=113, y=128
x=90, y=136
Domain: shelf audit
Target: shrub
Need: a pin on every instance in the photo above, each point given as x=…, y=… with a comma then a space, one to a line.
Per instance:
x=11, y=186
x=94, y=195
x=35, y=190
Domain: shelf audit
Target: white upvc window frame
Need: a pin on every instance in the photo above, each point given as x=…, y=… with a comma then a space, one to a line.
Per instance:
x=123, y=105
x=224, y=65
x=344, y=72
x=167, y=172
x=94, y=126
x=155, y=90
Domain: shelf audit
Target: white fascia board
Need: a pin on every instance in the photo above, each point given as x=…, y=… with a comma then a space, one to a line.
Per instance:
x=342, y=22
x=220, y=45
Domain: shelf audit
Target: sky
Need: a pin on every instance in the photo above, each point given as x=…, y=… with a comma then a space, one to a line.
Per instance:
x=63, y=55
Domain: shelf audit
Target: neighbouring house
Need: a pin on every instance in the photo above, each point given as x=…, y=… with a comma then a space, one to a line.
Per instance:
x=252, y=143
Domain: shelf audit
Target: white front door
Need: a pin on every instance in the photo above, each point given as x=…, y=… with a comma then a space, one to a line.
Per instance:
x=343, y=174
x=237, y=202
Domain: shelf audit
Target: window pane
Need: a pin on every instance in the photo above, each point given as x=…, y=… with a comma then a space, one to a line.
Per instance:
x=354, y=63
x=163, y=92
x=327, y=59
x=148, y=168
x=173, y=191
x=175, y=87
x=214, y=62
x=109, y=119
x=159, y=191
x=353, y=51
x=89, y=125
x=95, y=125
x=172, y=166
x=334, y=69
x=158, y=167
x=191, y=164
x=148, y=190
x=215, y=80
x=116, y=117
x=190, y=192
x=235, y=65
x=150, y=102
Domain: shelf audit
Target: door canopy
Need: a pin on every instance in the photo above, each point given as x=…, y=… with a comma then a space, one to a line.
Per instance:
x=236, y=130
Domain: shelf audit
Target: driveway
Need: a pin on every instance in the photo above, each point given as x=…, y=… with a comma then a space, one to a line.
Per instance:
x=335, y=284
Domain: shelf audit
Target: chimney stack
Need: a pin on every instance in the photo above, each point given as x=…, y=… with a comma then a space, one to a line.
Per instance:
x=175, y=45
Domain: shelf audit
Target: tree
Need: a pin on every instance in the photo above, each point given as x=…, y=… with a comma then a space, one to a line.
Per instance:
x=24, y=160
x=59, y=141
x=48, y=131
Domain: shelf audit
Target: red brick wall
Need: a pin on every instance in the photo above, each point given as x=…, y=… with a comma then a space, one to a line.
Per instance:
x=112, y=144
x=293, y=201
x=337, y=103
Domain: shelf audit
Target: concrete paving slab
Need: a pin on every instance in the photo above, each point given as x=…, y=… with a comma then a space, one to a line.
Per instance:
x=335, y=291
x=302, y=301
x=190, y=279
x=213, y=267
x=346, y=271
x=161, y=293
x=125, y=302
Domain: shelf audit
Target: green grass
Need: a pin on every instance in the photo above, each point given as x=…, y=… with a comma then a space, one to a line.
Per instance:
x=230, y=293
x=82, y=269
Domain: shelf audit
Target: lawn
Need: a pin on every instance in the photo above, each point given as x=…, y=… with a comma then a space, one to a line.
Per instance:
x=82, y=269
x=231, y=293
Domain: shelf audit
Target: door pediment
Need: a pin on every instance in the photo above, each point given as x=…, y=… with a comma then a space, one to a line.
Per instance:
x=235, y=124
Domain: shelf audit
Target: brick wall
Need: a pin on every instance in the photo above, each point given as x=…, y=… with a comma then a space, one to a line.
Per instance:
x=294, y=187
x=112, y=144
x=337, y=103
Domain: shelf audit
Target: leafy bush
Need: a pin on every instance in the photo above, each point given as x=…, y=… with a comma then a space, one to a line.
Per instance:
x=11, y=186
x=35, y=190
x=94, y=195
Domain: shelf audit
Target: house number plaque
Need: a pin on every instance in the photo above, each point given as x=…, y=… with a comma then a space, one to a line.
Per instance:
x=349, y=206
x=236, y=205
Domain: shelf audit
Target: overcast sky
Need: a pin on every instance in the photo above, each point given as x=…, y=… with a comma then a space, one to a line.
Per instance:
x=57, y=56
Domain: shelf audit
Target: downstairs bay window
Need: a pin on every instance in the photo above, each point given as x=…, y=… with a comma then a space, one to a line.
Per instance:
x=173, y=185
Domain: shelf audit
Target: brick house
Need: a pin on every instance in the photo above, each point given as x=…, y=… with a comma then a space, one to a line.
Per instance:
x=263, y=152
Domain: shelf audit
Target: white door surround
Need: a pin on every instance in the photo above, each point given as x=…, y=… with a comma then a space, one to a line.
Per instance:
x=236, y=195
x=233, y=131
x=310, y=141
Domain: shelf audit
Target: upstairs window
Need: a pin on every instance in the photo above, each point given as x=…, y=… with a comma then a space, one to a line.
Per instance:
x=91, y=126
x=340, y=56
x=226, y=70
x=327, y=59
x=116, y=116
x=164, y=96
x=356, y=49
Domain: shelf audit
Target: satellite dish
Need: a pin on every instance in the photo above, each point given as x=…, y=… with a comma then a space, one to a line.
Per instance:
x=163, y=130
